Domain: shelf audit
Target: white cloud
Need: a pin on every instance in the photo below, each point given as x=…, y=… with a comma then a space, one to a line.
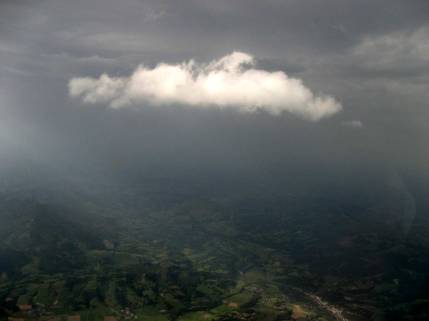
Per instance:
x=102, y=90
x=357, y=124
x=153, y=15
x=229, y=82
x=96, y=59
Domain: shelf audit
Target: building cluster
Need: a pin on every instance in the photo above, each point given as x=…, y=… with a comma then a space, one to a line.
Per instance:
x=68, y=318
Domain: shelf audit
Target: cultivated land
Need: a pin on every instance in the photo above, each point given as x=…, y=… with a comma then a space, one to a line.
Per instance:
x=135, y=255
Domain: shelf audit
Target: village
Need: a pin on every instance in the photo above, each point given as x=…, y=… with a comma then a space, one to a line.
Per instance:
x=27, y=312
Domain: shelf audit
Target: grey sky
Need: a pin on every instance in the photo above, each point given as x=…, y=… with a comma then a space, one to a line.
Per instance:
x=370, y=55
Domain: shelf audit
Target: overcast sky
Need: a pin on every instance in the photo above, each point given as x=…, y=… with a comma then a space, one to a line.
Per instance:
x=316, y=85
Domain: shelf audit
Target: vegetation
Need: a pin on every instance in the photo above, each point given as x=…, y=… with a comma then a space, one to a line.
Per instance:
x=243, y=258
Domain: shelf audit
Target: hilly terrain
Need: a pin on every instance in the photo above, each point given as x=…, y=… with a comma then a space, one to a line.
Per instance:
x=163, y=255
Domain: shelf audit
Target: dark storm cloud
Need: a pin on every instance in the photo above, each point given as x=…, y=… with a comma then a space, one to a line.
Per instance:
x=298, y=33
x=370, y=55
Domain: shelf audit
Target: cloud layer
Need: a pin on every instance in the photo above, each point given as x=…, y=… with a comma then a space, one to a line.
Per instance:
x=400, y=50
x=229, y=82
